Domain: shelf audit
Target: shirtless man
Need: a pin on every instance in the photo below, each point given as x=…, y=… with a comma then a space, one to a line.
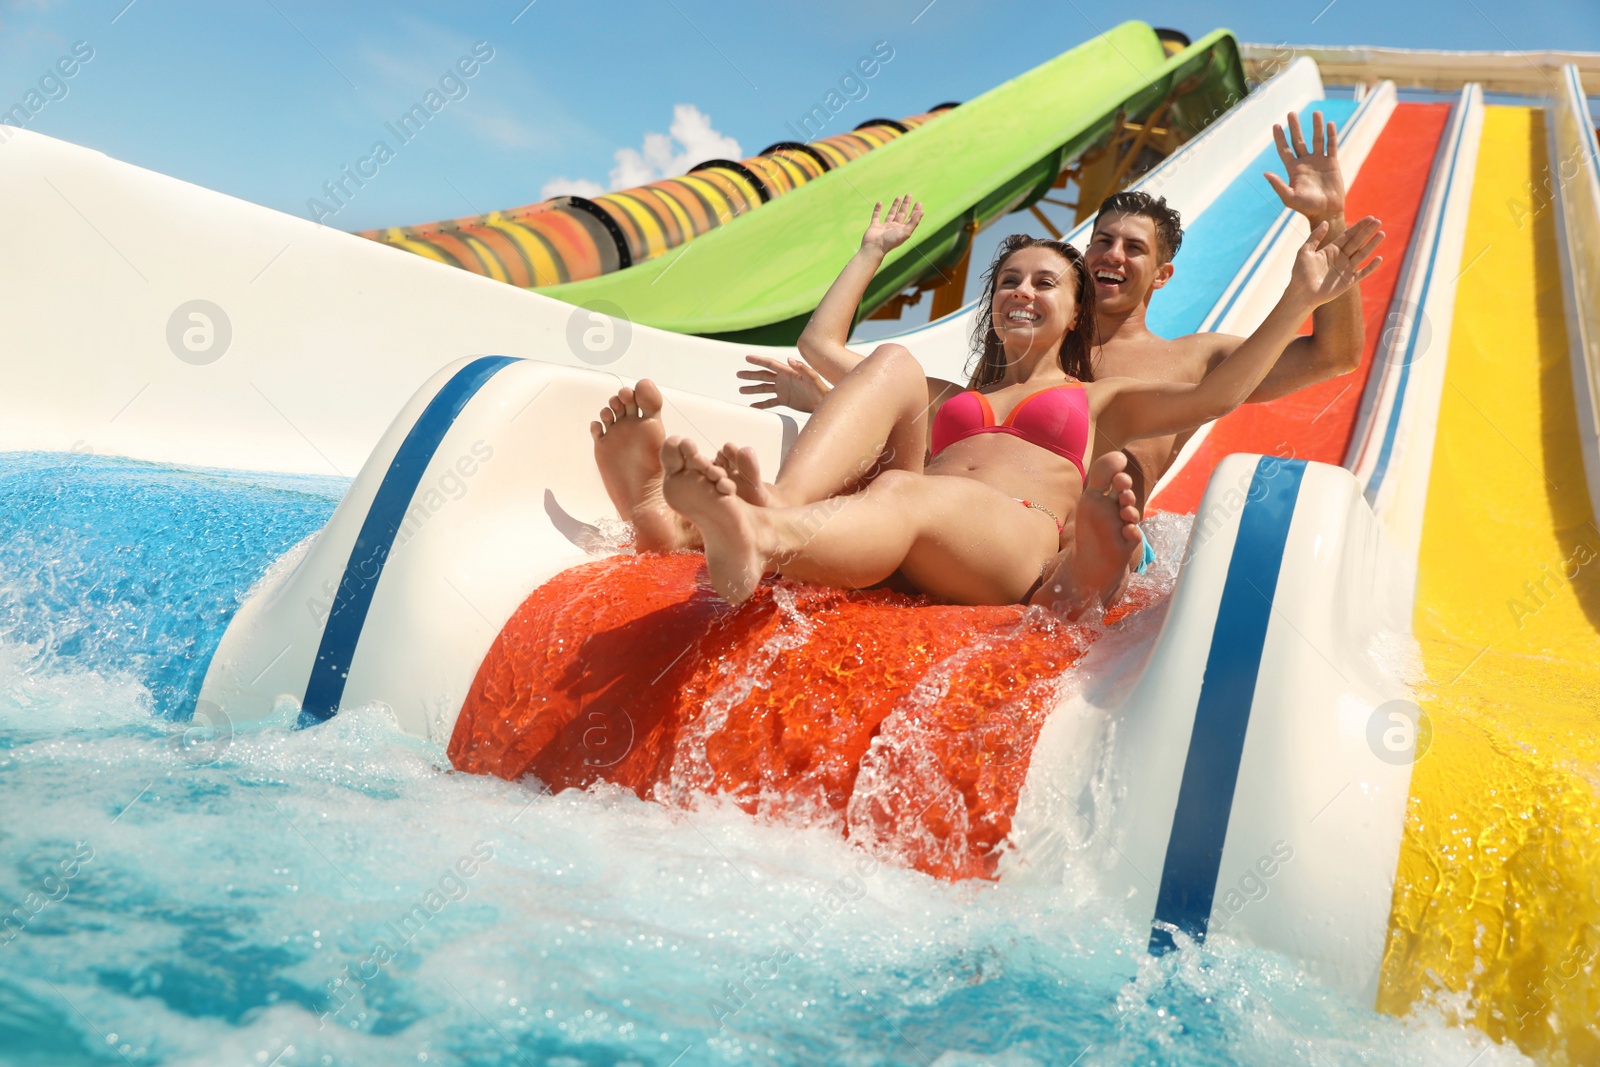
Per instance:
x=1130, y=256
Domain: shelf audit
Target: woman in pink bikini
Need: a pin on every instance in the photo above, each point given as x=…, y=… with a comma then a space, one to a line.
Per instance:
x=966, y=491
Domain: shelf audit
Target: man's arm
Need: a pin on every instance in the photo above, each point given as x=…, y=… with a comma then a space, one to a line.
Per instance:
x=1334, y=347
x=1315, y=189
x=1323, y=271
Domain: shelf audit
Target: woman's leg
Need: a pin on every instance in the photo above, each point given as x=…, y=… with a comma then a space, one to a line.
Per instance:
x=627, y=449
x=955, y=538
x=875, y=420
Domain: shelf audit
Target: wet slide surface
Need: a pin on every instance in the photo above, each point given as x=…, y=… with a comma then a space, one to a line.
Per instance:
x=1316, y=423
x=909, y=724
x=1497, y=885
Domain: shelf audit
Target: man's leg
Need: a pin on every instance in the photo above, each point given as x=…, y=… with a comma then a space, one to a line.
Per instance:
x=1101, y=544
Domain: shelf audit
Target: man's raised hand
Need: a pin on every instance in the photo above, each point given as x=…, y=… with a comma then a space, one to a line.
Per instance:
x=1316, y=184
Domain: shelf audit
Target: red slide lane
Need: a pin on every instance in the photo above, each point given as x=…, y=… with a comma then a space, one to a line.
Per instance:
x=908, y=724
x=1316, y=423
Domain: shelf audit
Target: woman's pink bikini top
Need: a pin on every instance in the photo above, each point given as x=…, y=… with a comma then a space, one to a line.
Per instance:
x=1056, y=418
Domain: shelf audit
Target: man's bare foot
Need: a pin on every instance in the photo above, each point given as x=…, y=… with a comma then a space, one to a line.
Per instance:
x=745, y=470
x=703, y=493
x=627, y=449
x=1105, y=532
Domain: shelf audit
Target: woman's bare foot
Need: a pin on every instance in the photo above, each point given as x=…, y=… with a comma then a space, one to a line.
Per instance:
x=745, y=470
x=1106, y=532
x=627, y=449
x=732, y=529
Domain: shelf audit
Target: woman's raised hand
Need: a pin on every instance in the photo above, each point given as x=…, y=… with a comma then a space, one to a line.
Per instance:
x=1324, y=269
x=886, y=234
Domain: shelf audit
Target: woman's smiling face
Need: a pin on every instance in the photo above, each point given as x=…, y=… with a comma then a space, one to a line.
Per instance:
x=1033, y=300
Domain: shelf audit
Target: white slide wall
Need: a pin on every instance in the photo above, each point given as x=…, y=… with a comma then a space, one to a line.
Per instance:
x=1240, y=791
x=1392, y=455
x=1575, y=170
x=506, y=499
x=329, y=333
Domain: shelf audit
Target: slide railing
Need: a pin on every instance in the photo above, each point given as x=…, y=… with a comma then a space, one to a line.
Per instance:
x=1575, y=188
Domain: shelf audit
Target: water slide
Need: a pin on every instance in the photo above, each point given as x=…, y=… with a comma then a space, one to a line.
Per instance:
x=1501, y=859
x=998, y=153
x=1267, y=760
x=570, y=238
x=1474, y=441
x=474, y=603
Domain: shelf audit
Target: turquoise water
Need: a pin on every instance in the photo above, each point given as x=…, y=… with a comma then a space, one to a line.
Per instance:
x=174, y=895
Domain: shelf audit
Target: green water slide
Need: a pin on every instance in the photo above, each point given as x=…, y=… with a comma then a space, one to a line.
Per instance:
x=758, y=278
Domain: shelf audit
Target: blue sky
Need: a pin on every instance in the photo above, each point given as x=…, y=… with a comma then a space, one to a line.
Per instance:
x=268, y=99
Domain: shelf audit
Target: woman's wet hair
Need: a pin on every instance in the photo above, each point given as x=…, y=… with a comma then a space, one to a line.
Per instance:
x=1077, y=344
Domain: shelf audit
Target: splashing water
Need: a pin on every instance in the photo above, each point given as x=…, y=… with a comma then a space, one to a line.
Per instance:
x=691, y=773
x=338, y=895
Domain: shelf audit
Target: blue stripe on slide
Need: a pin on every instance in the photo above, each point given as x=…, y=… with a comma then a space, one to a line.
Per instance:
x=1217, y=315
x=348, y=616
x=1211, y=771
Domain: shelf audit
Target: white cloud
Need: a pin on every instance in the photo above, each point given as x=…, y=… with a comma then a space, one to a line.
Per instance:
x=690, y=140
x=570, y=187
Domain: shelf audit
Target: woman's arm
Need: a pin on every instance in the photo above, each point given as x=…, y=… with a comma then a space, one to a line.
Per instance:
x=822, y=343
x=1134, y=408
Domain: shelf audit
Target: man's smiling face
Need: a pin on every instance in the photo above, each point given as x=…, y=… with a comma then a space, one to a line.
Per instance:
x=1125, y=262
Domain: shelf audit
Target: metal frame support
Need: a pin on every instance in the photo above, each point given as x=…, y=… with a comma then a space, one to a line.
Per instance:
x=1095, y=174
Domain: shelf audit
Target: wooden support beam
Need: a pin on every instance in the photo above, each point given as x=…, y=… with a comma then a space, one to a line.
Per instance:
x=891, y=308
x=1045, y=221
x=1097, y=172
x=950, y=294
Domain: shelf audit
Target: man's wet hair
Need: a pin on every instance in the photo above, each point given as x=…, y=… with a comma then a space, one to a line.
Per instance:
x=1169, y=224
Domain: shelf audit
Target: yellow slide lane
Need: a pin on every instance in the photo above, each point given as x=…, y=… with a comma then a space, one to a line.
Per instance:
x=1498, y=889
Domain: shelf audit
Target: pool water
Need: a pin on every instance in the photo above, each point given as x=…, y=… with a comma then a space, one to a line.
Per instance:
x=173, y=894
